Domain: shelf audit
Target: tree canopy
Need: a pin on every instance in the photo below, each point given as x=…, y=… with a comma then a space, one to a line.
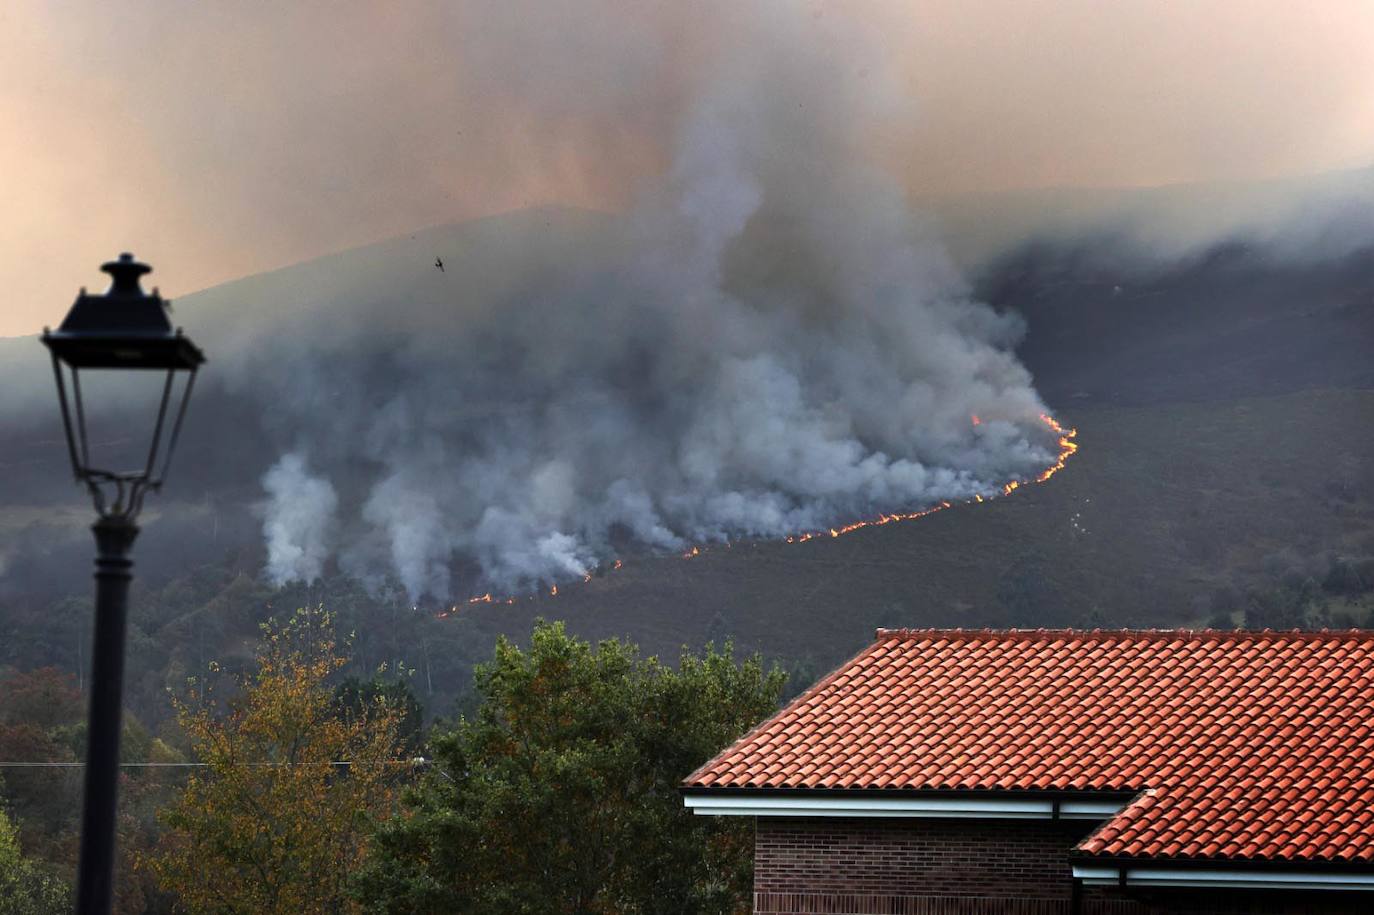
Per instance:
x=272, y=824
x=560, y=795
x=24, y=887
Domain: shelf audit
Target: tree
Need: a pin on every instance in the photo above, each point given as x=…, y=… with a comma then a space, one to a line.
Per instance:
x=561, y=794
x=273, y=825
x=46, y=698
x=42, y=719
x=353, y=696
x=24, y=888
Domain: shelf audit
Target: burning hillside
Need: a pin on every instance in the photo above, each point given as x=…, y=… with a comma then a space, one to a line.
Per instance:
x=761, y=346
x=1067, y=448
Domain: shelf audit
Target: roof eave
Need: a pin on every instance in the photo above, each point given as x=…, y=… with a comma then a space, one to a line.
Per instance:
x=907, y=803
x=1302, y=876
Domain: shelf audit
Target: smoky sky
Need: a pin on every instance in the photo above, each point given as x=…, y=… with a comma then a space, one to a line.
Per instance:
x=219, y=139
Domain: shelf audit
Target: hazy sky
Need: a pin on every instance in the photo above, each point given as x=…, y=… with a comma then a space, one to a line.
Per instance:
x=217, y=139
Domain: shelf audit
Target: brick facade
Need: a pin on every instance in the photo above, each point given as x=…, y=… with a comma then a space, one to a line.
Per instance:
x=838, y=866
x=1008, y=858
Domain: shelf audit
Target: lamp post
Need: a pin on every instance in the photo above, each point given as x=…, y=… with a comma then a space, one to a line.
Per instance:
x=122, y=330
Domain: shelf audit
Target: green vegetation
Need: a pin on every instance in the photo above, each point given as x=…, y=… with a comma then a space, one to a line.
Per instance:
x=557, y=794
x=560, y=794
x=25, y=888
x=42, y=720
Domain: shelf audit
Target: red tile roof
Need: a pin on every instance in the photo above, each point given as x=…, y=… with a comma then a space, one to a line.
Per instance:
x=1242, y=745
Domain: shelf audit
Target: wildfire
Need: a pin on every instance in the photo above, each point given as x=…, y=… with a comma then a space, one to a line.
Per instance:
x=1067, y=448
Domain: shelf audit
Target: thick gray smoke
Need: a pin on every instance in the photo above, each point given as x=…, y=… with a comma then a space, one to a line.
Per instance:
x=299, y=519
x=768, y=343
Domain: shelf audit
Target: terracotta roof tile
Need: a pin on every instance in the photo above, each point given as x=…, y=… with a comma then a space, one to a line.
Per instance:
x=1243, y=745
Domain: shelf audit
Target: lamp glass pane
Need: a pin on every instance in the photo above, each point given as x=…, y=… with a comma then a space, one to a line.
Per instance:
x=120, y=411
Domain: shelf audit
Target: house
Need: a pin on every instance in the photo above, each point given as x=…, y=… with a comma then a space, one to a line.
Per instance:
x=1060, y=771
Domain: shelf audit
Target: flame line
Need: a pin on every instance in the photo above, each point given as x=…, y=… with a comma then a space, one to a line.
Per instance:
x=1067, y=448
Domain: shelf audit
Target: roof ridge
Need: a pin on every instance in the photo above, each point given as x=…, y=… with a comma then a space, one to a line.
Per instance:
x=959, y=633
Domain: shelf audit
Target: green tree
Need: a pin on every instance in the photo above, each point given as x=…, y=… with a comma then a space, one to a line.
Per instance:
x=354, y=696
x=274, y=825
x=24, y=887
x=561, y=794
x=42, y=719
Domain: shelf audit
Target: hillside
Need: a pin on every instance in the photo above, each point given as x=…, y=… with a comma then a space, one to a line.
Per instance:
x=1224, y=404
x=1165, y=516
x=1152, y=519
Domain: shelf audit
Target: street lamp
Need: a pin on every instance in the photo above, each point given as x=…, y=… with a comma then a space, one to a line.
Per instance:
x=124, y=329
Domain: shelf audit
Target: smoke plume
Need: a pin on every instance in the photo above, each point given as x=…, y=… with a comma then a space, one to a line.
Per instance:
x=768, y=342
x=299, y=516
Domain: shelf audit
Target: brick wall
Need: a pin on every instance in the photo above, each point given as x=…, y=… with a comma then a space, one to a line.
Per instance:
x=1010, y=858
x=838, y=866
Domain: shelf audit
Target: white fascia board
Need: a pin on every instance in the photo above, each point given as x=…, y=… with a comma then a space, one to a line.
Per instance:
x=1089, y=810
x=822, y=805
x=1093, y=875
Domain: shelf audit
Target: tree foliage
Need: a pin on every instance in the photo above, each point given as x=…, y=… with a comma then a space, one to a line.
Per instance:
x=561, y=794
x=353, y=696
x=273, y=825
x=43, y=720
x=24, y=887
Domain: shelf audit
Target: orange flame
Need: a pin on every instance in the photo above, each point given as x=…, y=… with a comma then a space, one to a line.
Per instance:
x=1067, y=447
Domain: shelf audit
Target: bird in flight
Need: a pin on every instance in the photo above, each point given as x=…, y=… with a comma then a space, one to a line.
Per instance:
x=439, y=262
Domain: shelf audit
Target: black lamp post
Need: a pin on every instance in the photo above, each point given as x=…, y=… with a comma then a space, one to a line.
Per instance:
x=124, y=329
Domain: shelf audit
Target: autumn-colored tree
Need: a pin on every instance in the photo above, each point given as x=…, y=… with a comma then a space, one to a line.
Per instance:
x=274, y=823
